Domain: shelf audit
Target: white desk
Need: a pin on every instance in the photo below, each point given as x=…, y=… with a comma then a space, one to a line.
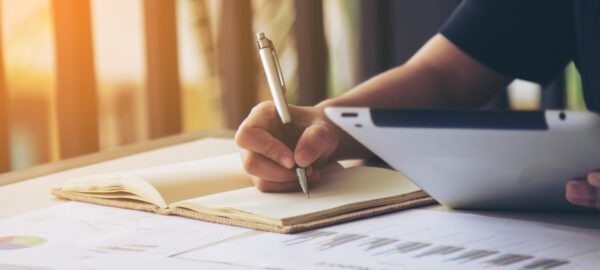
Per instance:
x=27, y=195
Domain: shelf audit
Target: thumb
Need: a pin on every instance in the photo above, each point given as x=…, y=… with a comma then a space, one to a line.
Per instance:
x=594, y=179
x=318, y=140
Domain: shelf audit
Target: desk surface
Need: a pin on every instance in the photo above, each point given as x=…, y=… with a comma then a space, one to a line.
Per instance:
x=28, y=189
x=113, y=153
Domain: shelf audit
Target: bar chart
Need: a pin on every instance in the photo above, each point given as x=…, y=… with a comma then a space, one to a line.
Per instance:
x=415, y=239
x=377, y=246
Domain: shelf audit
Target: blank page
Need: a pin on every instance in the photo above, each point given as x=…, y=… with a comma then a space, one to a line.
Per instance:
x=339, y=191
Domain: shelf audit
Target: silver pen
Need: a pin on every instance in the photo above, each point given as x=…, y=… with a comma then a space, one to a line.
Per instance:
x=291, y=134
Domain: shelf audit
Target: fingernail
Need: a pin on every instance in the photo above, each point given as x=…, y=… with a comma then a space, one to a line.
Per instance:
x=594, y=179
x=305, y=156
x=287, y=162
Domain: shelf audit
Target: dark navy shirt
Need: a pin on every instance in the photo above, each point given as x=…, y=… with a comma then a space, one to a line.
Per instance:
x=532, y=39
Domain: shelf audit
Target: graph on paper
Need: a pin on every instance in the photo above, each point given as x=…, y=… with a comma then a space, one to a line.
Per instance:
x=416, y=239
x=20, y=241
x=74, y=235
x=377, y=246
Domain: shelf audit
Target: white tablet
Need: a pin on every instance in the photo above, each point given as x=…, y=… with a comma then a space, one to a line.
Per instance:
x=481, y=159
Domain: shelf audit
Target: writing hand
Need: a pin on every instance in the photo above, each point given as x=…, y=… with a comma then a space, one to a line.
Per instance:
x=269, y=161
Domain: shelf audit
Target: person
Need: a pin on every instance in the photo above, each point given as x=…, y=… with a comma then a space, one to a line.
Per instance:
x=483, y=46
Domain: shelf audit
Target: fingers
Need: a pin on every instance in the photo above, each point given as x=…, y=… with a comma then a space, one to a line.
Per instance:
x=268, y=160
x=262, y=142
x=594, y=179
x=580, y=192
x=318, y=140
x=268, y=176
x=264, y=168
x=270, y=186
x=263, y=115
x=255, y=134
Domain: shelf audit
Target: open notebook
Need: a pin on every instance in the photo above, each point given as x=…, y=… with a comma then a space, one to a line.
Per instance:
x=217, y=189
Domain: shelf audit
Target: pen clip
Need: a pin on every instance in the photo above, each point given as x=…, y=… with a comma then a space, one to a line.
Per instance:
x=279, y=73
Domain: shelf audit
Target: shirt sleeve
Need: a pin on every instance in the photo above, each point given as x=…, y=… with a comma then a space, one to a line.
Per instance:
x=526, y=39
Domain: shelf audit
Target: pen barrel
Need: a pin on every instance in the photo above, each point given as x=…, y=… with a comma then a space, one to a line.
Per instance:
x=291, y=134
x=275, y=82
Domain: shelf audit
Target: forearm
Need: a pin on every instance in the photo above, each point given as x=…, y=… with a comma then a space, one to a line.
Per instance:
x=439, y=75
x=402, y=87
x=407, y=86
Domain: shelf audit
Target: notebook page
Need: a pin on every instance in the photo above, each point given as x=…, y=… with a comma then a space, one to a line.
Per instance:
x=190, y=179
x=335, y=190
x=172, y=182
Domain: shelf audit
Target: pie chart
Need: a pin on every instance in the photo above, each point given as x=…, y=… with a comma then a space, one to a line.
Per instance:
x=20, y=241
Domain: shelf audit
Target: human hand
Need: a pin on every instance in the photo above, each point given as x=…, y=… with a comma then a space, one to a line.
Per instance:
x=585, y=192
x=269, y=161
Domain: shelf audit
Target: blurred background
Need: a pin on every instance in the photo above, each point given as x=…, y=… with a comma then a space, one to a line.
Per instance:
x=81, y=76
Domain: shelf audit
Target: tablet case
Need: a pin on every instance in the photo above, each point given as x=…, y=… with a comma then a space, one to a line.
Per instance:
x=480, y=159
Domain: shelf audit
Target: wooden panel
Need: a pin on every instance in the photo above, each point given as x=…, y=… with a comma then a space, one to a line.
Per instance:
x=76, y=84
x=162, y=69
x=312, y=52
x=30, y=128
x=4, y=132
x=237, y=60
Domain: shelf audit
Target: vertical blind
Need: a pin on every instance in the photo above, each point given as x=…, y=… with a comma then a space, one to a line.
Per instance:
x=79, y=76
x=85, y=75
